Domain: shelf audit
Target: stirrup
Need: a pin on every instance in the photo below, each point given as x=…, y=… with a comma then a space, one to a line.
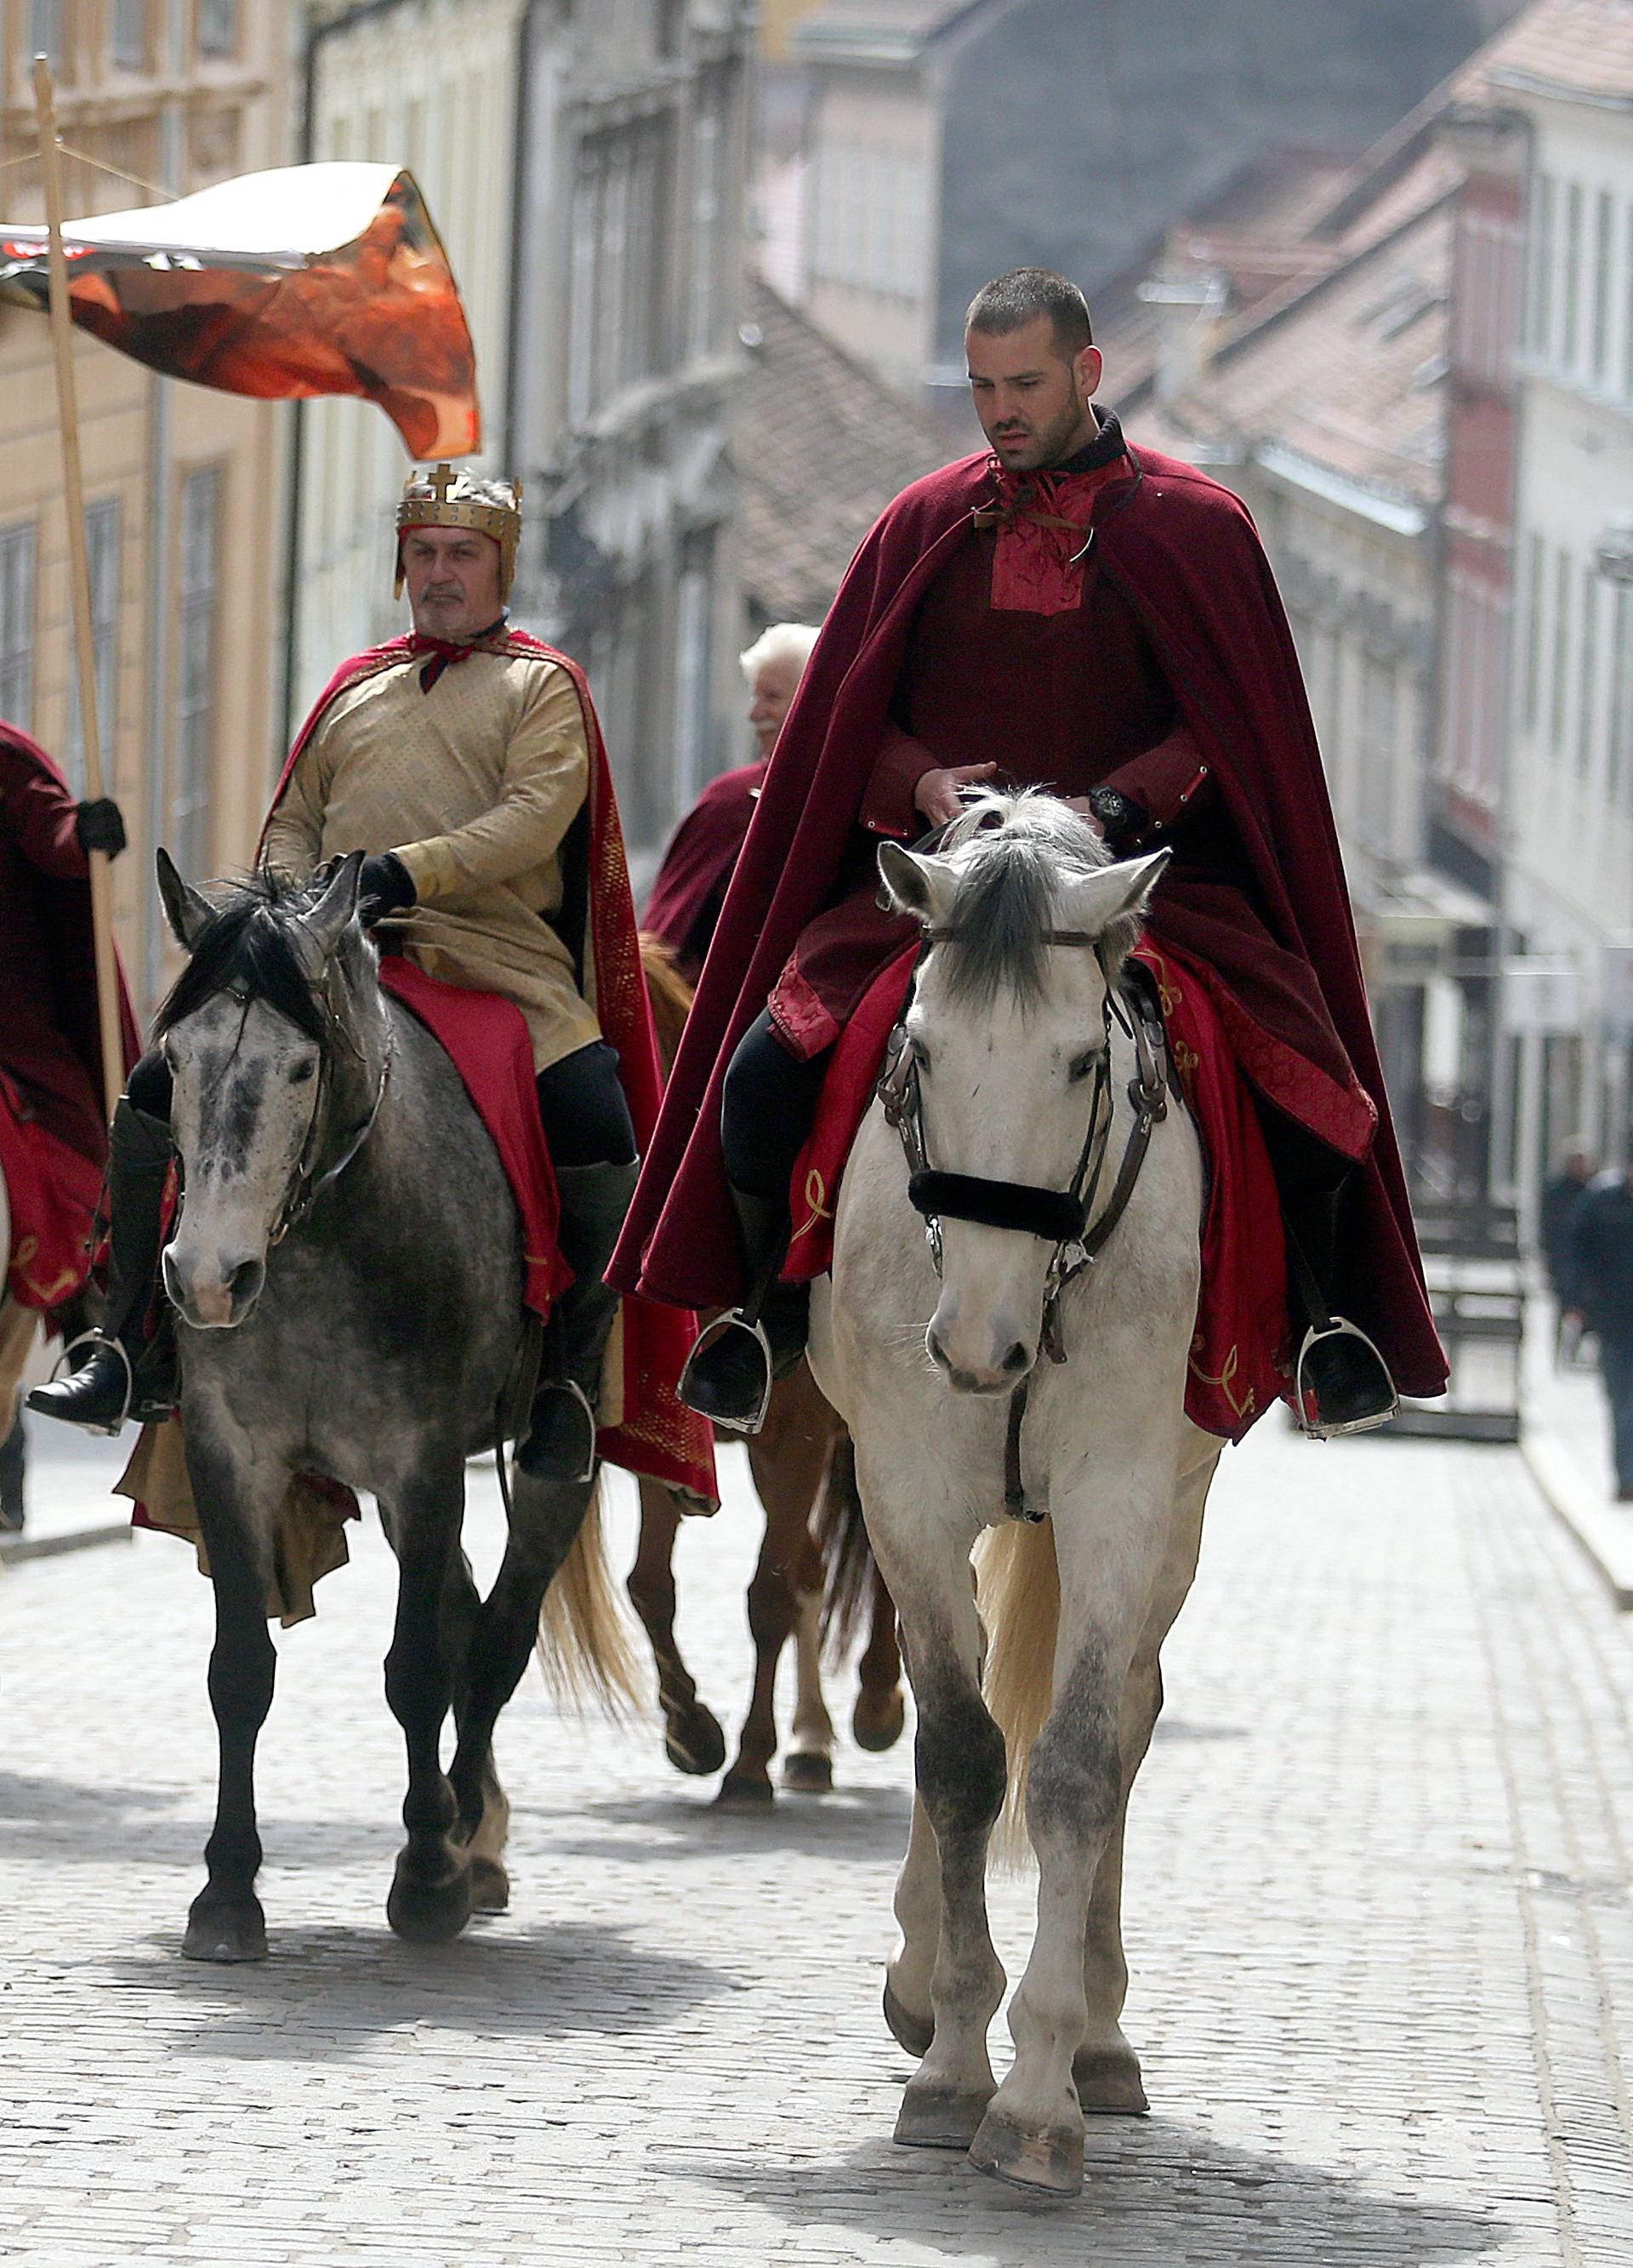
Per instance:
x=574, y=1393
x=94, y=1339
x=1303, y=1390
x=707, y=1339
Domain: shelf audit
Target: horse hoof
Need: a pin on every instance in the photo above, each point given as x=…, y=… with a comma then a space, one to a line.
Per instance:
x=219, y=1932
x=1108, y=2083
x=911, y=2032
x=694, y=1741
x=428, y=1913
x=876, y=1725
x=739, y=1792
x=939, y=2117
x=1045, y=2159
x=808, y=1772
x=490, y=1887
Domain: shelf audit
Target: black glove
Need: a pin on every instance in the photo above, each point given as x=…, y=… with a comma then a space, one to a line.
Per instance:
x=101, y=825
x=384, y=888
x=1121, y=821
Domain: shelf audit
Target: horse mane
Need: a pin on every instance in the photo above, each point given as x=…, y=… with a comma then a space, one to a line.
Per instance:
x=670, y=995
x=1014, y=854
x=246, y=947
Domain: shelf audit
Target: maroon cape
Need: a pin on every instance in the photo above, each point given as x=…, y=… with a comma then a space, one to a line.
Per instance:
x=1184, y=553
x=691, y=883
x=51, y=1043
x=658, y=1436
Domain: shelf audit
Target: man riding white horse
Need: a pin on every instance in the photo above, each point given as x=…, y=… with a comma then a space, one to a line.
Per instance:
x=459, y=760
x=1063, y=611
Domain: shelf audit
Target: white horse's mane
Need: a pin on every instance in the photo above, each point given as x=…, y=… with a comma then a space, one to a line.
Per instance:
x=1014, y=855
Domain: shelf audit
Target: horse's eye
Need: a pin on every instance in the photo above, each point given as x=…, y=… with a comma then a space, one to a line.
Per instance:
x=301, y=1073
x=1083, y=1064
x=920, y=1054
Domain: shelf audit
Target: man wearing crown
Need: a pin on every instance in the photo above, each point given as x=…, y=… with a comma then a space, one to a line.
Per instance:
x=465, y=760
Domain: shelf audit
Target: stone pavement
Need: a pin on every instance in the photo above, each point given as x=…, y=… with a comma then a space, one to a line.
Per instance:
x=1381, y=1929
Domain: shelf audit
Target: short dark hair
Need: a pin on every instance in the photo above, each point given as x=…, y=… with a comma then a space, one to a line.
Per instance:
x=1011, y=302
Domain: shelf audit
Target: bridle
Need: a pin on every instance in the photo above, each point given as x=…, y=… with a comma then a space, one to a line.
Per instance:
x=1066, y=1219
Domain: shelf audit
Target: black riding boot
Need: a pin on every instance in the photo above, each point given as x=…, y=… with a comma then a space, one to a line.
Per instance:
x=127, y=1375
x=1342, y=1381
x=729, y=1373
x=560, y=1432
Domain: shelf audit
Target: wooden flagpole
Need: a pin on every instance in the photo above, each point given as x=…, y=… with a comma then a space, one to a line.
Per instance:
x=79, y=566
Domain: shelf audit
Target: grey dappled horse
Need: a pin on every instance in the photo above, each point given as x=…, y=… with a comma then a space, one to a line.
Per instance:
x=347, y=1268
x=1015, y=1065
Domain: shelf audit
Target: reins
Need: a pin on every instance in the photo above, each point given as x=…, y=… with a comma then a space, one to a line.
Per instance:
x=1063, y=1219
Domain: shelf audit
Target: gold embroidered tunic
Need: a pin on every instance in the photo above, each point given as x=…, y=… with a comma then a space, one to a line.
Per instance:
x=474, y=785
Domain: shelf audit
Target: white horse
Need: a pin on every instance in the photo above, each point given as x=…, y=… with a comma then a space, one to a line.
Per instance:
x=1016, y=1057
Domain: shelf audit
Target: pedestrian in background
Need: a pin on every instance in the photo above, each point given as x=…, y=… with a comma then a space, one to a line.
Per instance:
x=1601, y=1261
x=1560, y=1197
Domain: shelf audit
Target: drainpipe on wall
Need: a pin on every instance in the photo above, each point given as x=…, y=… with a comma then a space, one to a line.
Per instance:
x=161, y=518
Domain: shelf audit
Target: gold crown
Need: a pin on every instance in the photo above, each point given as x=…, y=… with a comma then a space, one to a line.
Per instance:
x=443, y=497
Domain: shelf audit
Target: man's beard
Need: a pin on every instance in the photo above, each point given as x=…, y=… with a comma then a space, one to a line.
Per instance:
x=1052, y=444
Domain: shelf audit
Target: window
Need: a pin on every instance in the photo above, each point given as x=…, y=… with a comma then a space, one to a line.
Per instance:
x=196, y=669
x=1587, y=715
x=1604, y=235
x=693, y=670
x=1571, y=280
x=16, y=625
x=129, y=34
x=45, y=30
x=1379, y=724
x=1561, y=654
x=102, y=545
x=708, y=205
x=1542, y=265
x=1620, y=770
x=619, y=325
x=218, y=27
x=1533, y=600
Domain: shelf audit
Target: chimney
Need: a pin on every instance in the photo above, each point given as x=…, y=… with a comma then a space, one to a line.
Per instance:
x=1188, y=307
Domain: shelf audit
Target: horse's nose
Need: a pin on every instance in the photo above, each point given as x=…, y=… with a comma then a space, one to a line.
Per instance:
x=217, y=1294
x=977, y=1360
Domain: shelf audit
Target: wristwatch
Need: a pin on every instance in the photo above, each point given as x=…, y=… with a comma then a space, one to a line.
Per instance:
x=1120, y=819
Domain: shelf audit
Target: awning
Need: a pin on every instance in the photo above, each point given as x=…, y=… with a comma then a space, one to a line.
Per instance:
x=304, y=281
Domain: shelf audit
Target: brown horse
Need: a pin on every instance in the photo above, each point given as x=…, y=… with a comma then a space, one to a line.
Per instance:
x=805, y=1477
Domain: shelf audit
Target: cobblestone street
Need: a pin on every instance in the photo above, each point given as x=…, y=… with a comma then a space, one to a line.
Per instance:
x=1379, y=1923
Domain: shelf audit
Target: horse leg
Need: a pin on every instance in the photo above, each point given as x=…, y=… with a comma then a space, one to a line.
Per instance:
x=546, y=1517
x=491, y=1885
x=430, y=1899
x=810, y=1764
x=693, y=1739
x=1033, y=2133
x=788, y=1459
x=225, y=1921
x=1105, y=2070
x=881, y=1711
x=941, y=1903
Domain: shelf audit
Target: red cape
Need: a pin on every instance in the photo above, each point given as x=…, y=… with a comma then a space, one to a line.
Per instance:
x=1186, y=554
x=50, y=1038
x=658, y=1436
x=691, y=883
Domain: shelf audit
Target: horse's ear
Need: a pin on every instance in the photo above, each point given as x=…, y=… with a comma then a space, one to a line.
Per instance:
x=325, y=925
x=1109, y=905
x=186, y=909
x=923, y=888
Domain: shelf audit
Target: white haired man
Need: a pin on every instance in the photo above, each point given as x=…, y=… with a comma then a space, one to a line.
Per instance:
x=691, y=883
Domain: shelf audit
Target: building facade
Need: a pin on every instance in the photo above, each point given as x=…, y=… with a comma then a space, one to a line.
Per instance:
x=1567, y=848
x=182, y=485
x=585, y=167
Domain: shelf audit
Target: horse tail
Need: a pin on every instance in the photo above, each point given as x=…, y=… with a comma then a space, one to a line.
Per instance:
x=849, y=1570
x=1018, y=1588
x=670, y=994
x=583, y=1645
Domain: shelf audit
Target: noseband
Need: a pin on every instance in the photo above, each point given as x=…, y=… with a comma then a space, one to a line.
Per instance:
x=1066, y=1218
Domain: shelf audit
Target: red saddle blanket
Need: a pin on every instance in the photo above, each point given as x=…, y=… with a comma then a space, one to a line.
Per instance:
x=1239, y=1360
x=52, y=1192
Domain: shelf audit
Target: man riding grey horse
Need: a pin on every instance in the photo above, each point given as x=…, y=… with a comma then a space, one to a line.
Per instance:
x=458, y=760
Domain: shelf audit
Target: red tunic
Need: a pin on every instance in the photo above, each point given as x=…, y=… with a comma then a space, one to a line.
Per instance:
x=49, y=1038
x=1174, y=576
x=691, y=883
